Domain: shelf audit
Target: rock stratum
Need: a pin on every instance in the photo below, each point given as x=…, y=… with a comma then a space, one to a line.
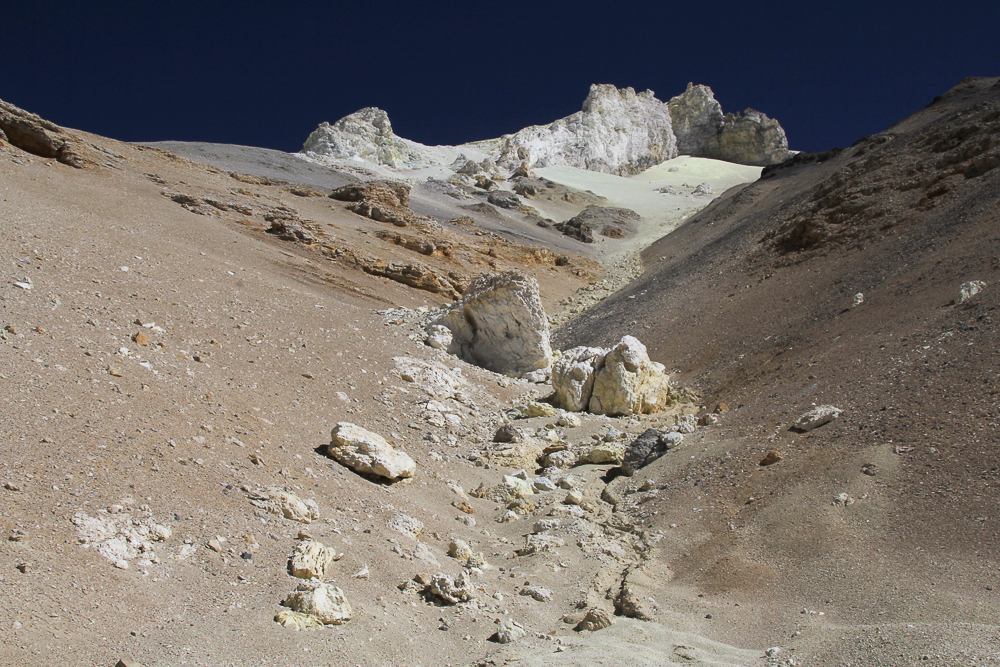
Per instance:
x=618, y=131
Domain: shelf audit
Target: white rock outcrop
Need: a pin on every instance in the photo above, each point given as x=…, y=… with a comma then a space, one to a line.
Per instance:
x=629, y=382
x=499, y=324
x=365, y=134
x=369, y=453
x=618, y=131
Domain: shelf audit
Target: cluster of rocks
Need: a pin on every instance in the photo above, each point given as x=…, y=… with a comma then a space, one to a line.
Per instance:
x=382, y=201
x=314, y=603
x=617, y=131
x=616, y=381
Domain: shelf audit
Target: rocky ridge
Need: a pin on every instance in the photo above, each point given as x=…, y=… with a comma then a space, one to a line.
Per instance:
x=617, y=131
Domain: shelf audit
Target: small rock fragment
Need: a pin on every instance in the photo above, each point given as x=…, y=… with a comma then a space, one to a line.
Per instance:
x=772, y=457
x=325, y=602
x=596, y=619
x=509, y=631
x=816, y=417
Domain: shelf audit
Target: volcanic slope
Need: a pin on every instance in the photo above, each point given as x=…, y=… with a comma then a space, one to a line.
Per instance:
x=833, y=280
x=178, y=341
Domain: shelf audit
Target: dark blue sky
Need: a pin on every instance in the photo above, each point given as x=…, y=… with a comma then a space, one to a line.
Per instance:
x=266, y=74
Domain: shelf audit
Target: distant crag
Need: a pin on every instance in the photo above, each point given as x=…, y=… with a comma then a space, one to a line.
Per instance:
x=617, y=131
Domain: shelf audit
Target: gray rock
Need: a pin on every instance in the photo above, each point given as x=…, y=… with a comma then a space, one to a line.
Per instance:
x=750, y=138
x=697, y=119
x=605, y=221
x=504, y=199
x=968, y=290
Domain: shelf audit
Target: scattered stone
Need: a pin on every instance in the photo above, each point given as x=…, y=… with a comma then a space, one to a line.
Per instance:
x=649, y=446
x=843, y=499
x=568, y=419
x=596, y=619
x=533, y=409
x=326, y=603
x=283, y=503
x=509, y=631
x=772, y=457
x=121, y=537
x=310, y=559
x=538, y=593
x=370, y=453
x=407, y=525
x=215, y=546
x=537, y=543
x=574, y=497
x=295, y=620
x=439, y=337
x=869, y=469
x=449, y=590
x=968, y=290
x=499, y=324
x=543, y=484
x=859, y=299
x=606, y=452
x=508, y=433
x=816, y=417
x=141, y=339
x=432, y=377
x=709, y=419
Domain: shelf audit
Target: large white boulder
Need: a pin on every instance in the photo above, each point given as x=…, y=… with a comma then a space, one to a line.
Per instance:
x=629, y=382
x=500, y=325
x=368, y=452
x=573, y=377
x=324, y=602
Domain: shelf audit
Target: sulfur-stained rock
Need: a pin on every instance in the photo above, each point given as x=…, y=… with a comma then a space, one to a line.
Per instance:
x=629, y=383
x=326, y=603
x=310, y=559
x=605, y=452
x=367, y=452
x=296, y=620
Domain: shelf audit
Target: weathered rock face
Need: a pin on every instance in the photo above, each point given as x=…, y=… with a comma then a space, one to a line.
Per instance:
x=368, y=452
x=573, y=377
x=607, y=221
x=366, y=134
x=629, y=383
x=697, y=119
x=384, y=201
x=499, y=324
x=37, y=136
x=749, y=138
x=618, y=131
